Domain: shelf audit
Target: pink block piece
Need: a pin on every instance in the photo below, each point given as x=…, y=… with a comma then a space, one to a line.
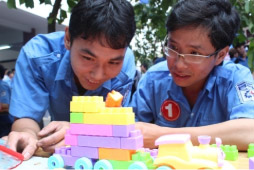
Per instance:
x=70, y=139
x=82, y=151
x=134, y=142
x=93, y=130
x=99, y=141
x=122, y=130
x=251, y=163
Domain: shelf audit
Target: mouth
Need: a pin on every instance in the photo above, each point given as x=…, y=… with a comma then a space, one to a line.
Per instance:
x=93, y=81
x=181, y=76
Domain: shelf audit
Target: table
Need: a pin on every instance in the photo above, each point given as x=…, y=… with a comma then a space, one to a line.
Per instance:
x=40, y=163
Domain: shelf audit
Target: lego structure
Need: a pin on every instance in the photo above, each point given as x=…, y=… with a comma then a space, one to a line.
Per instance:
x=102, y=136
x=251, y=150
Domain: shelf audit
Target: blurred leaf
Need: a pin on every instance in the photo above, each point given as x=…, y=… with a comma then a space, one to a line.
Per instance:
x=11, y=4
x=29, y=3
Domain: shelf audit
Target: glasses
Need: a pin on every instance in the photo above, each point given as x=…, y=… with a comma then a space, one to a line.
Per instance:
x=188, y=58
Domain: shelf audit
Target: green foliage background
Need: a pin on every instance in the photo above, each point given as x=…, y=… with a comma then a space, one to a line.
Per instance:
x=151, y=20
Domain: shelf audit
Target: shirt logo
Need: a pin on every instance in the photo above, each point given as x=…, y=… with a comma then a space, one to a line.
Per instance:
x=245, y=91
x=170, y=110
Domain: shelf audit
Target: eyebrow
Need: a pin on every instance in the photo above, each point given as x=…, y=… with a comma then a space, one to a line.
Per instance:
x=193, y=46
x=85, y=50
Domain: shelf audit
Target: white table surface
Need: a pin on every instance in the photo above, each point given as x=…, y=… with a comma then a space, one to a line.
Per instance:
x=35, y=163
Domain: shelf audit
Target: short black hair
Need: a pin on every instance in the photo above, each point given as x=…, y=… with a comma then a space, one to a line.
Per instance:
x=113, y=19
x=2, y=71
x=217, y=16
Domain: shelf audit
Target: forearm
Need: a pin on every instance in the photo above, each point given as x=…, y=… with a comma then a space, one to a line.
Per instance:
x=234, y=132
x=26, y=125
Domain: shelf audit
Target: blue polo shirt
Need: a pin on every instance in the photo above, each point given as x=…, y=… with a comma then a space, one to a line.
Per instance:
x=228, y=94
x=44, y=79
x=6, y=120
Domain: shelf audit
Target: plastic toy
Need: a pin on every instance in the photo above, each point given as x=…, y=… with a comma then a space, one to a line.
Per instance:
x=230, y=151
x=102, y=137
x=251, y=163
x=251, y=150
x=9, y=159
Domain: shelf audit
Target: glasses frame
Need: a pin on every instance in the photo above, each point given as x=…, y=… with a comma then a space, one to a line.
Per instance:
x=166, y=48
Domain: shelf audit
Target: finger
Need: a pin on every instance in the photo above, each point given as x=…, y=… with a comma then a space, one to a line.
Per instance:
x=13, y=140
x=52, y=148
x=47, y=130
x=52, y=139
x=29, y=151
x=5, y=138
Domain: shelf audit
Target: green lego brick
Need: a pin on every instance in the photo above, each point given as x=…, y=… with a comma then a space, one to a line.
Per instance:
x=231, y=152
x=144, y=157
x=76, y=118
x=251, y=150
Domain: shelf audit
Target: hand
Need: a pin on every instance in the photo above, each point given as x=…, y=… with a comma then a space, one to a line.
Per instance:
x=150, y=133
x=22, y=141
x=52, y=136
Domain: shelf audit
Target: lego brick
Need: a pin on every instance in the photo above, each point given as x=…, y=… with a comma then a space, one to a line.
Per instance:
x=89, y=129
x=99, y=141
x=115, y=154
x=76, y=117
x=82, y=151
x=64, y=150
x=110, y=118
x=87, y=104
x=114, y=99
x=231, y=152
x=251, y=150
x=69, y=160
x=120, y=165
x=122, y=130
x=134, y=142
x=70, y=139
x=144, y=157
x=251, y=163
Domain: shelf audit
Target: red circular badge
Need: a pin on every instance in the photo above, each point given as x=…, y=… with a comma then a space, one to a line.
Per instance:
x=170, y=110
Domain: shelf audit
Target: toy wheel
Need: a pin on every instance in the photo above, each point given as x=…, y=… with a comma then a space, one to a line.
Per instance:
x=55, y=161
x=164, y=168
x=103, y=164
x=137, y=166
x=83, y=163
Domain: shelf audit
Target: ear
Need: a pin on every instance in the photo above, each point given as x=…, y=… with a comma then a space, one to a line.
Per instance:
x=221, y=55
x=67, y=39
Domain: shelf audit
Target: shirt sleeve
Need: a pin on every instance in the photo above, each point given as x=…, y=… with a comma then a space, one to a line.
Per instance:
x=240, y=97
x=29, y=95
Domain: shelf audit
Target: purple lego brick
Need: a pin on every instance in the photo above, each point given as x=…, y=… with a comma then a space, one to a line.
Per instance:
x=99, y=141
x=122, y=130
x=63, y=150
x=82, y=151
x=251, y=163
x=93, y=130
x=135, y=141
x=69, y=160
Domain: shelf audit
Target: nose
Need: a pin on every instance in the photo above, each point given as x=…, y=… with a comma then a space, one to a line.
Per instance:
x=98, y=72
x=179, y=62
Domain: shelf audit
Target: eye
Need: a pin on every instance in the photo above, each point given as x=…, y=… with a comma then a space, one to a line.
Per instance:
x=173, y=47
x=114, y=62
x=88, y=58
x=195, y=53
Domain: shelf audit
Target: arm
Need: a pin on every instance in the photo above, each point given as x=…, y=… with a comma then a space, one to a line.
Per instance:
x=4, y=107
x=23, y=137
x=233, y=132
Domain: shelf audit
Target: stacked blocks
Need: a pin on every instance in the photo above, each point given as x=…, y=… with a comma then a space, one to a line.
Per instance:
x=231, y=152
x=98, y=132
x=251, y=150
x=251, y=163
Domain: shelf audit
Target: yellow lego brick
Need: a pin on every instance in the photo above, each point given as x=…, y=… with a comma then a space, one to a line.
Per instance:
x=87, y=104
x=109, y=118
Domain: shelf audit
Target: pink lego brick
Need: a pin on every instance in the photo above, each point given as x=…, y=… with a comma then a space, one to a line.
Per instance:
x=82, y=151
x=251, y=163
x=90, y=129
x=134, y=142
x=99, y=141
x=122, y=130
x=70, y=139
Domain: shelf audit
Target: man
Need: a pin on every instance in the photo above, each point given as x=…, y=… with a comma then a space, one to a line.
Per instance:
x=5, y=94
x=242, y=54
x=91, y=58
x=196, y=92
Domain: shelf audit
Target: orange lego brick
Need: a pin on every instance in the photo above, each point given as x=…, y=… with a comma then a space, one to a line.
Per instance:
x=115, y=154
x=114, y=99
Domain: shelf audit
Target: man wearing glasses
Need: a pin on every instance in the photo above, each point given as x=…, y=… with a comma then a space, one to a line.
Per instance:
x=195, y=91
